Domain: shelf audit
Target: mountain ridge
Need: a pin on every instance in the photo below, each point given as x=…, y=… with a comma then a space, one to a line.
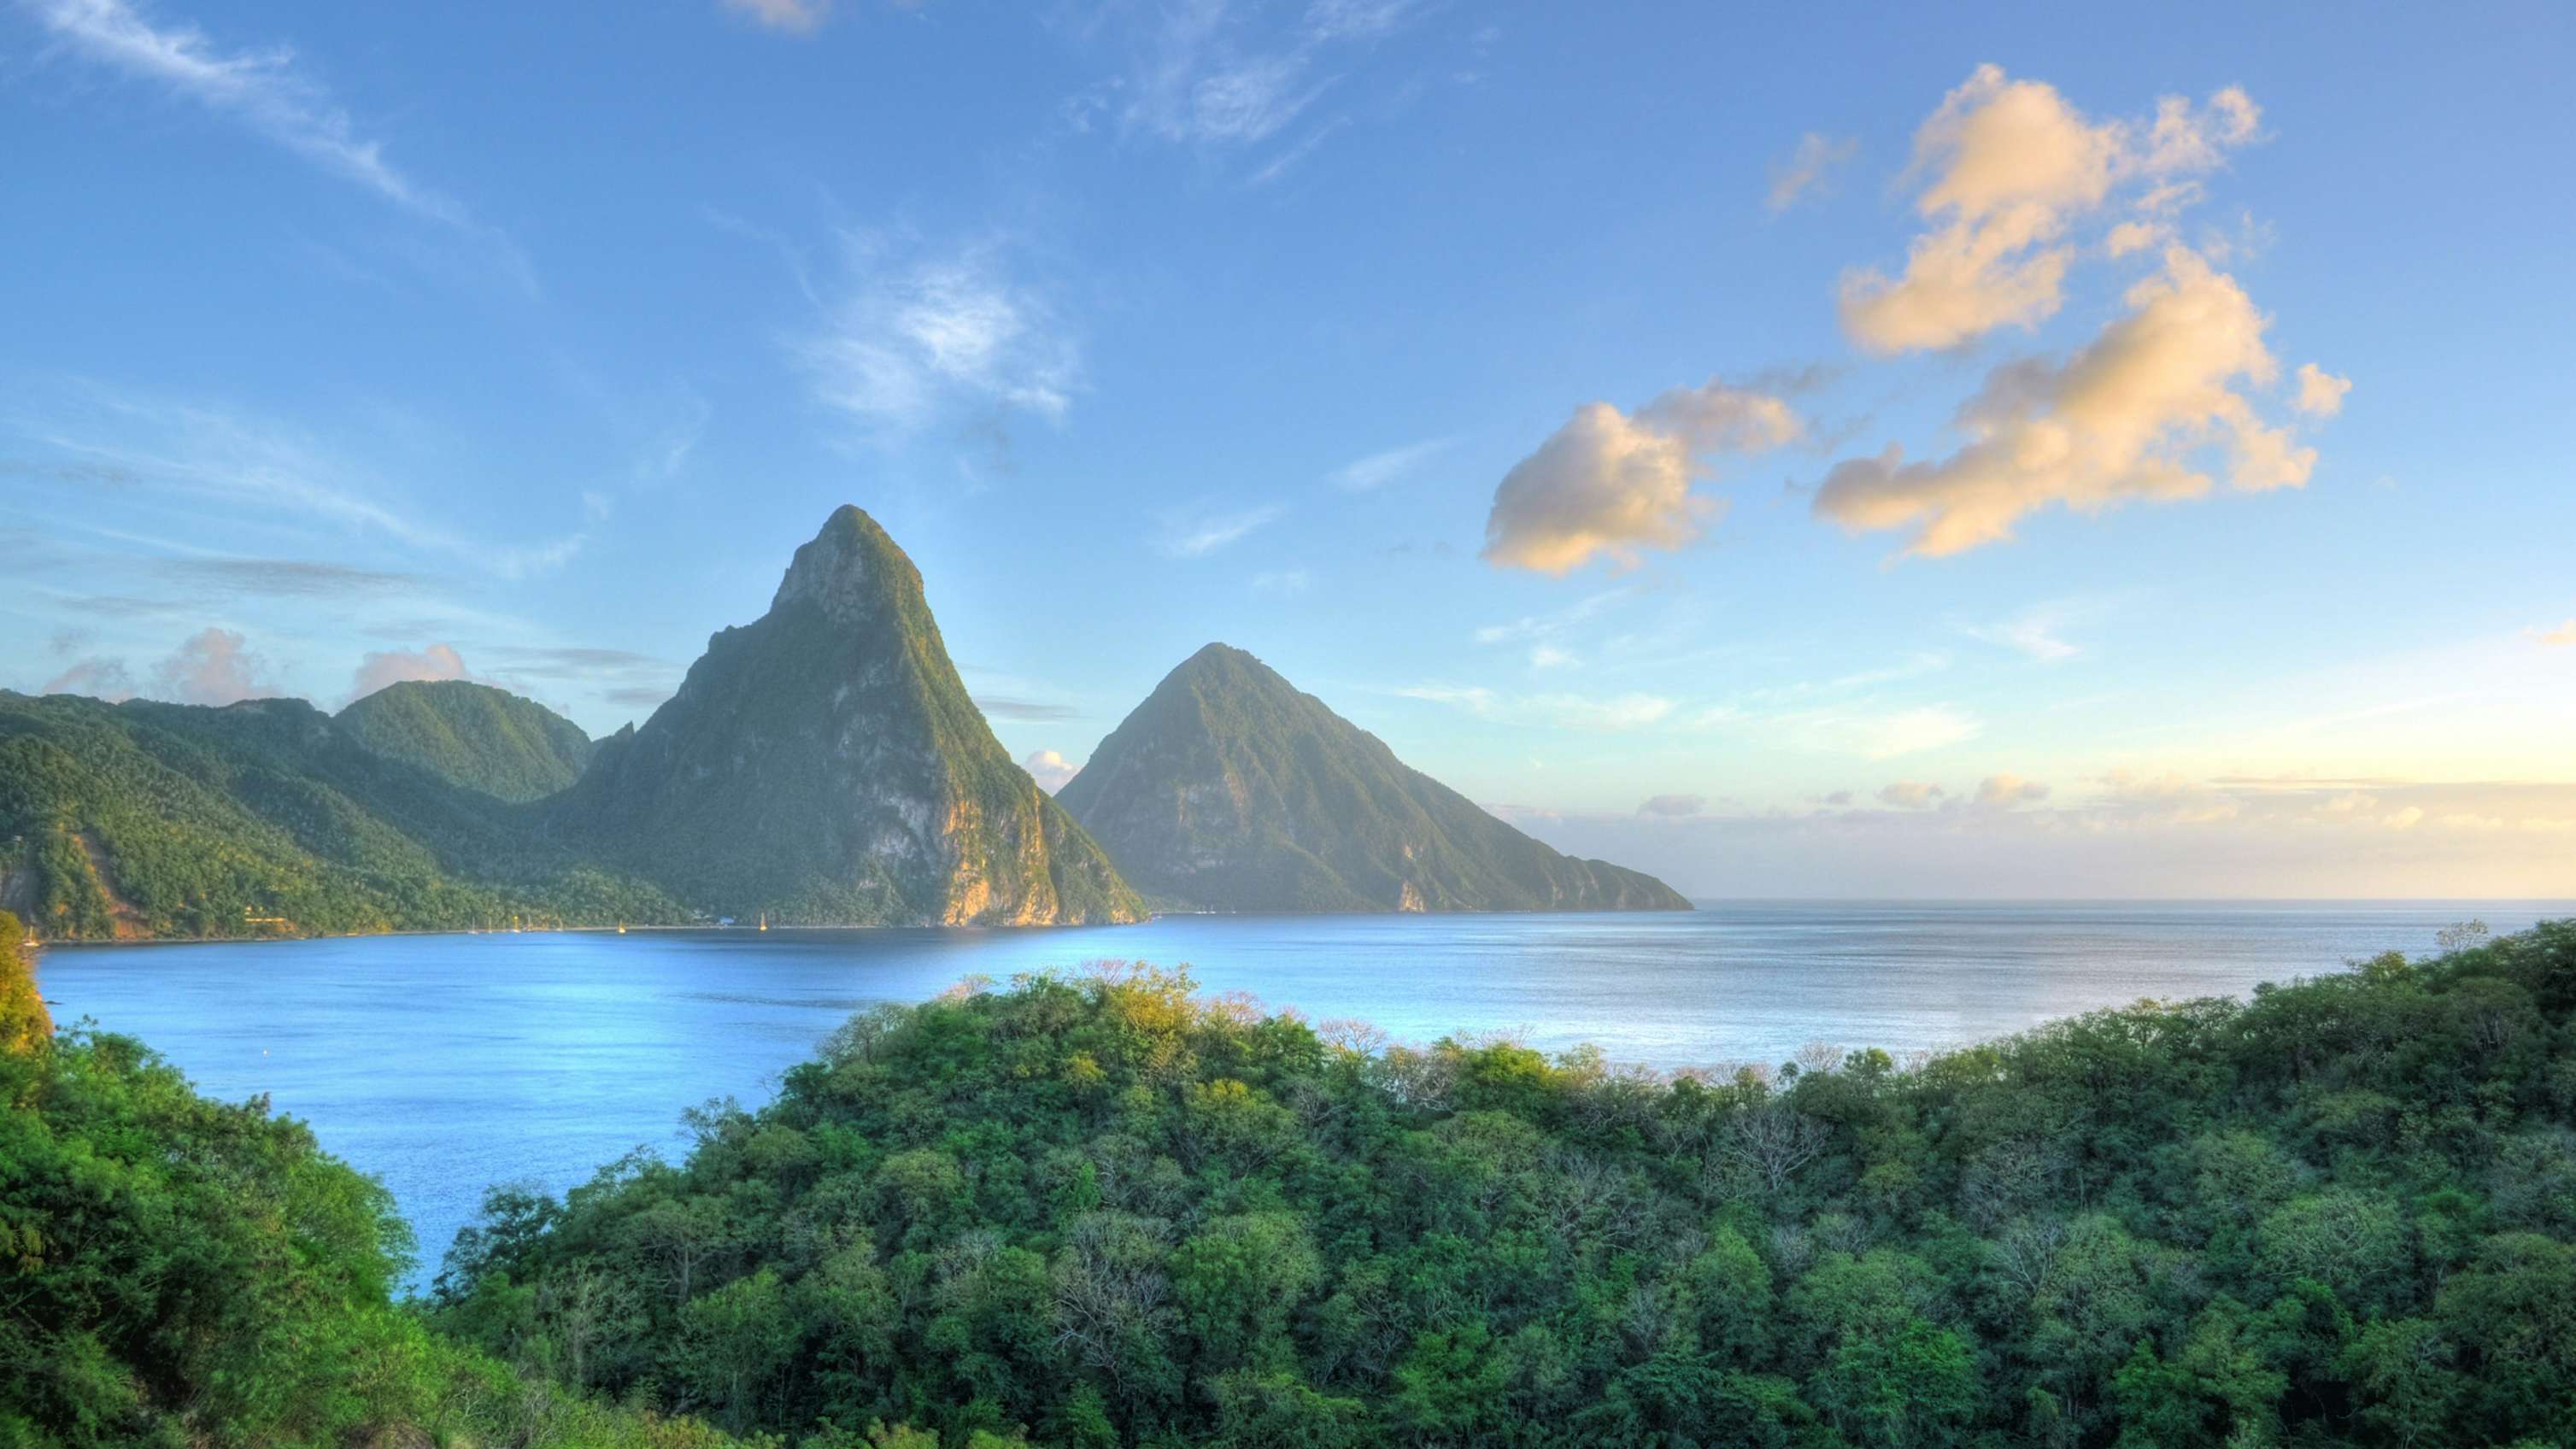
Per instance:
x=471, y=734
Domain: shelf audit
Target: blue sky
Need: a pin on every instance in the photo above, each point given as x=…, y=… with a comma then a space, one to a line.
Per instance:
x=1521, y=379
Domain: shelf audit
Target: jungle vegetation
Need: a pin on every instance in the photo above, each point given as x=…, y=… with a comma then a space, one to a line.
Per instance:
x=1098, y=1211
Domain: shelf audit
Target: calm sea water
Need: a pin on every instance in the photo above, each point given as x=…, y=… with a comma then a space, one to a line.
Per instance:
x=444, y=1064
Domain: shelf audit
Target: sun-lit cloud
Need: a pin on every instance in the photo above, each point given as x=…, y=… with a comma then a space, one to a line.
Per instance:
x=1806, y=169
x=1911, y=794
x=915, y=334
x=267, y=90
x=1051, y=770
x=212, y=666
x=1612, y=484
x=2006, y=168
x=2562, y=636
x=2008, y=789
x=2321, y=392
x=382, y=667
x=98, y=676
x=2125, y=420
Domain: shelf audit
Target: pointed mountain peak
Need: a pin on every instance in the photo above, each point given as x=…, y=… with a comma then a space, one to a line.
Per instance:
x=848, y=568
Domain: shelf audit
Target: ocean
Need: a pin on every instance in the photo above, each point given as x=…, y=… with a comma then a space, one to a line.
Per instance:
x=447, y=1064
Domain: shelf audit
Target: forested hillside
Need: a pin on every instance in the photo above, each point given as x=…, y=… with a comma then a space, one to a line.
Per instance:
x=2341, y=1213
x=144, y=820
x=471, y=735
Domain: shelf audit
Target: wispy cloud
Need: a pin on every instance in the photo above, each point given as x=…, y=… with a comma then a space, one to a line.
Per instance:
x=1806, y=169
x=916, y=333
x=265, y=89
x=1618, y=712
x=1204, y=531
x=1379, y=469
x=1002, y=706
x=2563, y=635
x=2038, y=633
x=795, y=17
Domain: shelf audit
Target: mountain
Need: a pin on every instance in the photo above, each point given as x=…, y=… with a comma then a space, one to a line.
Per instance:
x=471, y=735
x=1230, y=790
x=824, y=765
x=266, y=817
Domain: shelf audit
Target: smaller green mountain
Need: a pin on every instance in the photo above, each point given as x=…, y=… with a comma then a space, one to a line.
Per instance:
x=264, y=818
x=471, y=735
x=1230, y=790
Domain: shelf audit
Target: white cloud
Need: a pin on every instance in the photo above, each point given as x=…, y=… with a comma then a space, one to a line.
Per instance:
x=2121, y=421
x=395, y=666
x=2009, y=167
x=264, y=89
x=2563, y=635
x=2406, y=819
x=1051, y=770
x=912, y=336
x=1804, y=170
x=1881, y=734
x=1379, y=469
x=1204, y=531
x=1611, y=483
x=2037, y=633
x=2321, y=392
x=1673, y=806
x=1548, y=656
x=1911, y=795
x=797, y=17
x=2007, y=790
x=212, y=666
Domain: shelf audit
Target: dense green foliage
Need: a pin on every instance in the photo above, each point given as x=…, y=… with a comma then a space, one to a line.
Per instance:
x=1229, y=790
x=143, y=819
x=181, y=1272
x=471, y=735
x=2341, y=1213
x=824, y=765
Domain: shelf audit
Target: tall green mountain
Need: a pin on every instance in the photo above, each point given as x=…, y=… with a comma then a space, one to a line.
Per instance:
x=265, y=817
x=825, y=766
x=1230, y=790
x=472, y=735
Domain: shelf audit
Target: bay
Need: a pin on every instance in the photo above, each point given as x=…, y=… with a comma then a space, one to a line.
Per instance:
x=447, y=1064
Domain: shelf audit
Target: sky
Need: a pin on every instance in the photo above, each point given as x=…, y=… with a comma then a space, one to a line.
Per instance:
x=2012, y=451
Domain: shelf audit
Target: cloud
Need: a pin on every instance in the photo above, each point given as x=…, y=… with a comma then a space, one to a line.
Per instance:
x=2562, y=636
x=1673, y=806
x=395, y=666
x=1201, y=532
x=212, y=666
x=1281, y=581
x=2008, y=166
x=2035, y=632
x=283, y=578
x=2008, y=790
x=997, y=706
x=913, y=337
x=1884, y=735
x=2321, y=392
x=1548, y=656
x=2121, y=421
x=1610, y=713
x=1052, y=771
x=98, y=676
x=1611, y=483
x=265, y=90
x=1911, y=795
x=1804, y=170
x=796, y=17
x=1379, y=469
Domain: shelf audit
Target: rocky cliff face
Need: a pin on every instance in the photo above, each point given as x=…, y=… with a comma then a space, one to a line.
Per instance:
x=1229, y=790
x=825, y=765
